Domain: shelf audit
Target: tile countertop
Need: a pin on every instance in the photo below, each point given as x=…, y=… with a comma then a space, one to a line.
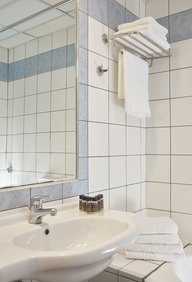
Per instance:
x=144, y=271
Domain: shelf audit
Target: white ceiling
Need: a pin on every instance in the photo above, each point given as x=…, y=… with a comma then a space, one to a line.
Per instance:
x=12, y=11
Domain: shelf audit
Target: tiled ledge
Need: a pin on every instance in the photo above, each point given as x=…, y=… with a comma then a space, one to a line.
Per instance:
x=126, y=270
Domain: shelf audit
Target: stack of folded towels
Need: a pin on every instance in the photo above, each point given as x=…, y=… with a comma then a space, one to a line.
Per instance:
x=158, y=240
x=148, y=27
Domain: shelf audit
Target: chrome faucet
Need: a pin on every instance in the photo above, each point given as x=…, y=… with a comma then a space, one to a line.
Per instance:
x=37, y=212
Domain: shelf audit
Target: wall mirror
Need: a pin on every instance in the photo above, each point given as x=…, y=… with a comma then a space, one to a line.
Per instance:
x=37, y=91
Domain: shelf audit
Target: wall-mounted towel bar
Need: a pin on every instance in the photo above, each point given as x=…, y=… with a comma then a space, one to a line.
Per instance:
x=139, y=44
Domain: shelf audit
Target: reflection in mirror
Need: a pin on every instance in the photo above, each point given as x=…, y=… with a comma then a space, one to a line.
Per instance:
x=37, y=91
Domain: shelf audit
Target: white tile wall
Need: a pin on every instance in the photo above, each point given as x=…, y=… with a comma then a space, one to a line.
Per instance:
x=169, y=133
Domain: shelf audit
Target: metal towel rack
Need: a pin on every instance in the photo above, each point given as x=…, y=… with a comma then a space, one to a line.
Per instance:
x=139, y=44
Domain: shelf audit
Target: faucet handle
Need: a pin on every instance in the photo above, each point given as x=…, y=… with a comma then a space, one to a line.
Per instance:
x=38, y=200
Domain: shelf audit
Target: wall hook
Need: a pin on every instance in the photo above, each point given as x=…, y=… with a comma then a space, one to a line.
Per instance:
x=101, y=70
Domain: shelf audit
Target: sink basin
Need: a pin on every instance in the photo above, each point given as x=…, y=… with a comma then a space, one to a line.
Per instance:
x=71, y=247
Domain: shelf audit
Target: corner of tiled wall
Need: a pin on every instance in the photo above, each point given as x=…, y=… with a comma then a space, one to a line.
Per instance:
x=169, y=132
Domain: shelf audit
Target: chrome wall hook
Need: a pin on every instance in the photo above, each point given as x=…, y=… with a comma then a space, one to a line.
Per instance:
x=101, y=70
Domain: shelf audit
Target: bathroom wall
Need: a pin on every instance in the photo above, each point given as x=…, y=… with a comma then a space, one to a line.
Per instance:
x=111, y=144
x=116, y=142
x=169, y=131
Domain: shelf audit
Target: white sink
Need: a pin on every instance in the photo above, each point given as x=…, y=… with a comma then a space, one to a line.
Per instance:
x=70, y=247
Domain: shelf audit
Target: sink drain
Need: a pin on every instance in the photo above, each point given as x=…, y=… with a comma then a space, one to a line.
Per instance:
x=47, y=231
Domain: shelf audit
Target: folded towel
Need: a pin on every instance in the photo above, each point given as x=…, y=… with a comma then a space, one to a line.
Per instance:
x=133, y=84
x=184, y=270
x=155, y=256
x=158, y=225
x=153, y=248
x=160, y=239
x=150, y=21
x=150, y=34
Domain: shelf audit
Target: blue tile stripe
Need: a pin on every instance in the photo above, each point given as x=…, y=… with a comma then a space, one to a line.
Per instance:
x=3, y=71
x=52, y=60
x=179, y=25
x=110, y=13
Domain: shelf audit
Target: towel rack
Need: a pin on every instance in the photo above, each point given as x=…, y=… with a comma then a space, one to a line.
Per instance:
x=130, y=42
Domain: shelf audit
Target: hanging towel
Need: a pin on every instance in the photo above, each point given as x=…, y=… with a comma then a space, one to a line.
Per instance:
x=133, y=75
x=158, y=225
x=158, y=239
x=155, y=256
x=153, y=248
x=150, y=21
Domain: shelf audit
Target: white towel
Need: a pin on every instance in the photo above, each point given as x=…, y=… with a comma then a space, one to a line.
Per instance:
x=184, y=270
x=158, y=225
x=149, y=33
x=153, y=248
x=160, y=239
x=155, y=256
x=150, y=21
x=133, y=84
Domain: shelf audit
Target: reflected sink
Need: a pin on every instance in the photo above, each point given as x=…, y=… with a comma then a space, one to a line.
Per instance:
x=71, y=247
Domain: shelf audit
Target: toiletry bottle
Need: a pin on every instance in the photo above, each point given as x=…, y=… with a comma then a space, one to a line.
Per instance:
x=101, y=202
x=81, y=202
x=89, y=205
x=84, y=204
x=94, y=204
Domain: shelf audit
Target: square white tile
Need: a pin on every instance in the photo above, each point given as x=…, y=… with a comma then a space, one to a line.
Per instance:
x=158, y=196
x=59, y=79
x=30, y=123
x=157, y=9
x=113, y=76
x=43, y=102
x=98, y=174
x=31, y=85
x=134, y=198
x=177, y=6
x=44, y=82
x=133, y=169
x=118, y=199
x=181, y=56
x=58, y=100
x=98, y=139
x=159, y=86
x=58, y=121
x=100, y=81
x=158, y=168
x=181, y=169
x=95, y=32
x=98, y=105
x=133, y=141
x=179, y=192
x=58, y=163
x=117, y=171
x=158, y=140
x=43, y=142
x=43, y=122
x=116, y=109
x=181, y=82
x=58, y=142
x=181, y=113
x=181, y=140
x=116, y=140
x=30, y=104
x=159, y=114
